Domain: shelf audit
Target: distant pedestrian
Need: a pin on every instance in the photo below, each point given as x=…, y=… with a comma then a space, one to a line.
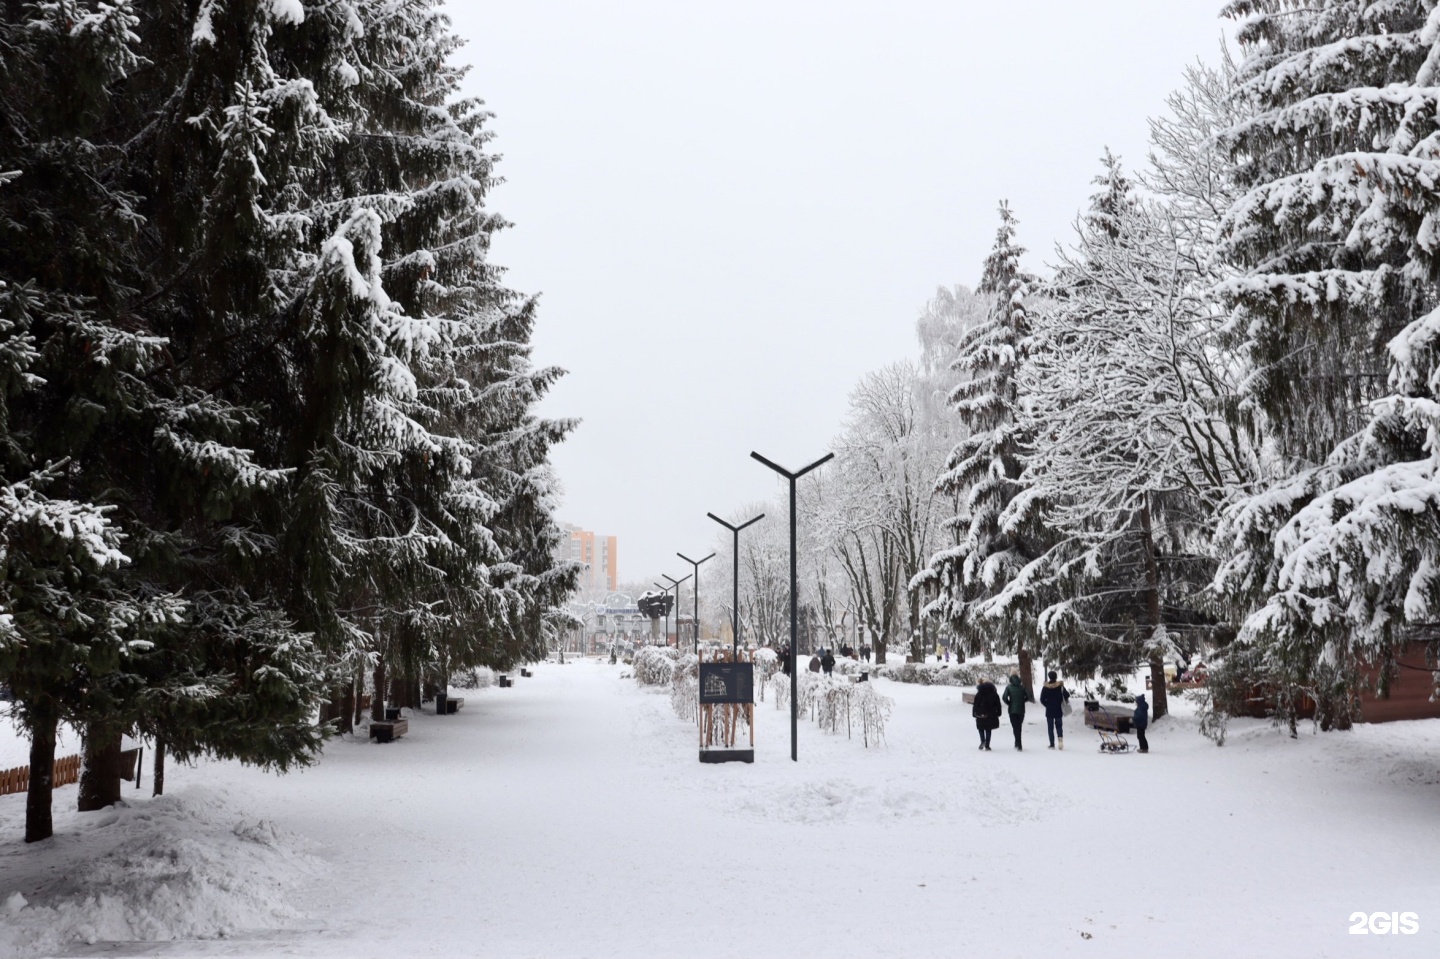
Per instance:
x=1053, y=696
x=1140, y=720
x=786, y=662
x=827, y=662
x=1016, y=697
x=814, y=663
x=865, y=652
x=986, y=712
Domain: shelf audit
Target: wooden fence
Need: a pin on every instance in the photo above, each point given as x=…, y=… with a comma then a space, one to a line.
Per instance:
x=17, y=780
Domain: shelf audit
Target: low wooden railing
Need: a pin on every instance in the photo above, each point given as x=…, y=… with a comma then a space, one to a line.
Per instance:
x=17, y=780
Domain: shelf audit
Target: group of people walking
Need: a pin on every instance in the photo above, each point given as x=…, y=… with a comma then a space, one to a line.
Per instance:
x=990, y=704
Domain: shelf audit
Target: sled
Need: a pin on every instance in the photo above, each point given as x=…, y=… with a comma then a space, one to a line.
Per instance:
x=1113, y=742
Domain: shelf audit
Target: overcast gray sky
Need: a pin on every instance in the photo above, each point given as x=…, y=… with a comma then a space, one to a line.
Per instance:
x=733, y=210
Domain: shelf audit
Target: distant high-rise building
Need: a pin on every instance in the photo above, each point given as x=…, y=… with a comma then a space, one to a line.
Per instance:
x=599, y=554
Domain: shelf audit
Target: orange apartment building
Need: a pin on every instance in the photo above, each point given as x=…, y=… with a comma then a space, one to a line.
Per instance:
x=599, y=554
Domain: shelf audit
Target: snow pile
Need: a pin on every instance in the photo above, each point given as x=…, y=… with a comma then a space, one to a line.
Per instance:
x=654, y=665
x=178, y=867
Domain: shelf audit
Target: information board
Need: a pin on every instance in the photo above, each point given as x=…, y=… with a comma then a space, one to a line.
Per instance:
x=727, y=683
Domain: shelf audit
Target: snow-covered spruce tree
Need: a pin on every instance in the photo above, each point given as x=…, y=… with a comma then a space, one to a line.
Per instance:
x=1131, y=449
x=208, y=662
x=1335, y=564
x=487, y=495
x=985, y=468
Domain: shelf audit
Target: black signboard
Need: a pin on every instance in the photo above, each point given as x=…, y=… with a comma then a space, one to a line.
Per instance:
x=727, y=683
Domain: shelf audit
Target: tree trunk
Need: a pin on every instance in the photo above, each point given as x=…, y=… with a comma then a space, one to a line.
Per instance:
x=1159, y=704
x=1027, y=670
x=357, y=685
x=347, y=708
x=157, y=786
x=100, y=772
x=38, y=822
x=377, y=699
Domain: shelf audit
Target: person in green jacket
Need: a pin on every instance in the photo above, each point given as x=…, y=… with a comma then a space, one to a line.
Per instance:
x=1016, y=697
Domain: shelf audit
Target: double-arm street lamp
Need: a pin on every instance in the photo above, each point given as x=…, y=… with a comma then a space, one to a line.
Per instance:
x=695, y=589
x=794, y=593
x=675, y=583
x=735, y=609
x=666, y=589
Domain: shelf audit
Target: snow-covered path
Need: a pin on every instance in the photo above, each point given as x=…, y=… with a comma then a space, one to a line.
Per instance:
x=568, y=816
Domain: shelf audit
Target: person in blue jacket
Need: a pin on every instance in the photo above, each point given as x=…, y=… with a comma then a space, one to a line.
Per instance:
x=1140, y=720
x=1053, y=696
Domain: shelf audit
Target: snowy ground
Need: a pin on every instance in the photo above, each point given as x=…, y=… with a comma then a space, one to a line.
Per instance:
x=568, y=816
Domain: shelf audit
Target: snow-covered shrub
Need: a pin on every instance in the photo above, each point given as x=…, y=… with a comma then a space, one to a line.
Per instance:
x=830, y=699
x=463, y=679
x=654, y=665
x=872, y=710
x=685, y=687
x=484, y=677
x=845, y=666
x=946, y=674
x=767, y=664
x=836, y=703
x=779, y=685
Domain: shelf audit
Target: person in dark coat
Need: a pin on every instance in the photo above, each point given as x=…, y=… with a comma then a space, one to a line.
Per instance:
x=1016, y=697
x=1140, y=720
x=785, y=661
x=827, y=662
x=1053, y=696
x=814, y=666
x=986, y=712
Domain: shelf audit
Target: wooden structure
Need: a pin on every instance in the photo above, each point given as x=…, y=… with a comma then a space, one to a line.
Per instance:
x=727, y=698
x=1407, y=698
x=67, y=772
x=504, y=682
x=448, y=705
x=1409, y=692
x=17, y=780
x=388, y=732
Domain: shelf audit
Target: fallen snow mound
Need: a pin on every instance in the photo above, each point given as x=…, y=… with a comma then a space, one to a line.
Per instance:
x=178, y=867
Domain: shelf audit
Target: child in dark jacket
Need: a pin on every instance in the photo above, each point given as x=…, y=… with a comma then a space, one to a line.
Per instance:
x=1140, y=720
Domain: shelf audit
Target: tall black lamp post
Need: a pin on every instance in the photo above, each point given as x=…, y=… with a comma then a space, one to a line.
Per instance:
x=676, y=583
x=695, y=589
x=735, y=610
x=794, y=598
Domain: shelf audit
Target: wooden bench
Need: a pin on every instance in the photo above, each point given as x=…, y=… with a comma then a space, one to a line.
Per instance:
x=389, y=731
x=525, y=673
x=448, y=705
